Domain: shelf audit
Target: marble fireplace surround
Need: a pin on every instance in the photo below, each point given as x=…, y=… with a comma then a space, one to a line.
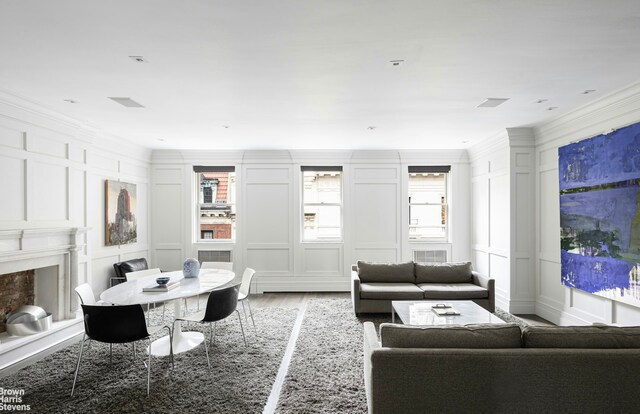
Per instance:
x=57, y=255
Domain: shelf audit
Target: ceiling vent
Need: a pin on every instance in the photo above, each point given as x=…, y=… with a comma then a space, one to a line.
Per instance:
x=492, y=102
x=128, y=102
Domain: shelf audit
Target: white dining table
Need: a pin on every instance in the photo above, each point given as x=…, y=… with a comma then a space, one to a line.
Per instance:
x=130, y=293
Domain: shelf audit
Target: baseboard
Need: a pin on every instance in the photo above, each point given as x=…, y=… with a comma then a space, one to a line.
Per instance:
x=300, y=284
x=558, y=316
x=23, y=351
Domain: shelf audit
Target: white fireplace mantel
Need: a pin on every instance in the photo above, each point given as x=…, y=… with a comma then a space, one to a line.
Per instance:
x=60, y=249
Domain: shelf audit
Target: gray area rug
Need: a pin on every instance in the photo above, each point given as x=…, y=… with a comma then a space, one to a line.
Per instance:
x=240, y=379
x=326, y=371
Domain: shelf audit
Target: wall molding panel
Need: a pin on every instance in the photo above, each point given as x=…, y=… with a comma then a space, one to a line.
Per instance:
x=268, y=225
x=554, y=301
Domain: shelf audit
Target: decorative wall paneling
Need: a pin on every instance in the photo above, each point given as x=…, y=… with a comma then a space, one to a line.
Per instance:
x=556, y=302
x=54, y=169
x=502, y=225
x=268, y=224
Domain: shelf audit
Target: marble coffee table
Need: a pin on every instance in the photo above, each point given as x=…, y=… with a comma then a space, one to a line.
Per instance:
x=420, y=312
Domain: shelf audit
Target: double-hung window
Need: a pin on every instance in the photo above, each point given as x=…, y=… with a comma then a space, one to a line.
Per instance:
x=216, y=203
x=428, y=208
x=321, y=203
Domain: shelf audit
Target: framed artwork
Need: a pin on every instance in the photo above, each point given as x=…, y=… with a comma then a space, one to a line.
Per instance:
x=600, y=215
x=120, y=213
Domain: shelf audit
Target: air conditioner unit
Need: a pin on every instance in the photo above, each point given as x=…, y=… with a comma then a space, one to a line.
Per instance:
x=429, y=256
x=214, y=255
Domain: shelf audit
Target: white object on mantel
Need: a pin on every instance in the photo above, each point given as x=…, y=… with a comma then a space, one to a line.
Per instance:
x=56, y=254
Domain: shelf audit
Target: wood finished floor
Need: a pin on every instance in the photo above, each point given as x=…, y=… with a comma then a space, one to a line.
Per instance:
x=296, y=299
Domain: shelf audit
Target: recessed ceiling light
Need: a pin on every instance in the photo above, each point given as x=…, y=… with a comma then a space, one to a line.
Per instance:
x=138, y=59
x=588, y=91
x=225, y=126
x=551, y=108
x=161, y=139
x=492, y=102
x=71, y=101
x=539, y=101
x=396, y=62
x=371, y=128
x=465, y=142
x=128, y=102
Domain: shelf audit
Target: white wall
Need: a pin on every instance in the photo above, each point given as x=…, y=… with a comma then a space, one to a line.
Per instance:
x=502, y=216
x=269, y=208
x=556, y=302
x=53, y=170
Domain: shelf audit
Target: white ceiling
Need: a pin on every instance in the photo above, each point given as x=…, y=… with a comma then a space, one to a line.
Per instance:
x=315, y=74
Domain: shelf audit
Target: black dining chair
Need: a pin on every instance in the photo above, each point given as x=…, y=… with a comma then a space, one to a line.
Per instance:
x=117, y=325
x=220, y=304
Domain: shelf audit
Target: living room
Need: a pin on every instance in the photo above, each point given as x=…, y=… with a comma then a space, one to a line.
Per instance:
x=365, y=103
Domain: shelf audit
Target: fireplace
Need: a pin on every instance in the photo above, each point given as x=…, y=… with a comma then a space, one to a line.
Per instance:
x=58, y=261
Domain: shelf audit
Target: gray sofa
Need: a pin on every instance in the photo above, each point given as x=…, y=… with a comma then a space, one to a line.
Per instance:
x=499, y=369
x=375, y=285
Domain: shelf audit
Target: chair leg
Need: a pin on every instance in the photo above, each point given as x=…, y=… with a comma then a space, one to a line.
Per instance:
x=170, y=346
x=212, y=334
x=149, y=369
x=206, y=350
x=251, y=313
x=244, y=310
x=75, y=376
x=241, y=328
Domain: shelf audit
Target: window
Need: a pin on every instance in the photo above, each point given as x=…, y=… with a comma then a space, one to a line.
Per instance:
x=428, y=211
x=216, y=203
x=321, y=203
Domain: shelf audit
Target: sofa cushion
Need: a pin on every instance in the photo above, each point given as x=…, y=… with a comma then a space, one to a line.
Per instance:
x=390, y=291
x=453, y=336
x=384, y=272
x=453, y=291
x=591, y=337
x=444, y=273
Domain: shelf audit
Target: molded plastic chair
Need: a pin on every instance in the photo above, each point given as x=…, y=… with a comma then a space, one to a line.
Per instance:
x=220, y=304
x=243, y=296
x=141, y=273
x=217, y=265
x=138, y=274
x=116, y=325
x=86, y=295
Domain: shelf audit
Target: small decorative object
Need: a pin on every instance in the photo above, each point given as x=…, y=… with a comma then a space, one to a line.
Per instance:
x=162, y=280
x=191, y=268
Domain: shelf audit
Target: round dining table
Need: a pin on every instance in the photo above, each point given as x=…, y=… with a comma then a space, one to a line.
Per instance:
x=130, y=293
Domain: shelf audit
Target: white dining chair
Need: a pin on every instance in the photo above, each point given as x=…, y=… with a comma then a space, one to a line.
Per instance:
x=86, y=295
x=217, y=265
x=139, y=275
x=243, y=296
x=214, y=265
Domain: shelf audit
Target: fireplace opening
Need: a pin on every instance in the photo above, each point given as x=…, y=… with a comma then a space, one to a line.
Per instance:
x=16, y=289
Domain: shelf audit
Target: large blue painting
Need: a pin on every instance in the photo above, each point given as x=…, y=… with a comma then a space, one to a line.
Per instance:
x=600, y=214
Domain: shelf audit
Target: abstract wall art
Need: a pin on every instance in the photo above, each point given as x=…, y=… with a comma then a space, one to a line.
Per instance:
x=600, y=215
x=120, y=209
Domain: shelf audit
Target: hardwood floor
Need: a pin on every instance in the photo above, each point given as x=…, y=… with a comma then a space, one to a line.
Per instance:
x=296, y=299
x=292, y=299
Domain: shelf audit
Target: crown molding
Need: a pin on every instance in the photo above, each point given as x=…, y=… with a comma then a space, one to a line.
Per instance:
x=613, y=111
x=495, y=142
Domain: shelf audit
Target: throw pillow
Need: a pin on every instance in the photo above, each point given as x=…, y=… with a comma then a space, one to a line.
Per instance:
x=482, y=336
x=444, y=273
x=385, y=272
